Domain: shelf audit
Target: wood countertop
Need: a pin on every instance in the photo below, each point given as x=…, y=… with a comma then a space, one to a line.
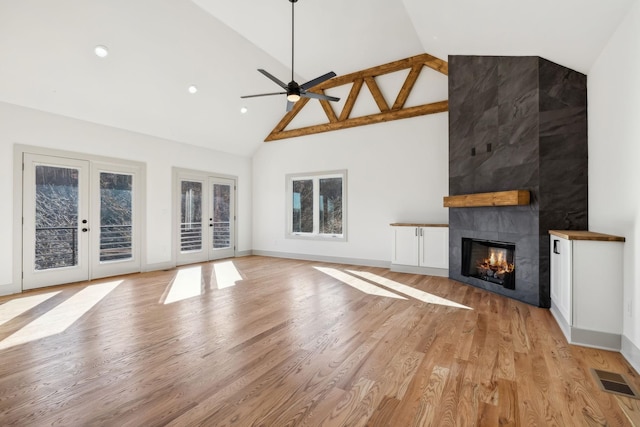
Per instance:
x=408, y=224
x=586, y=235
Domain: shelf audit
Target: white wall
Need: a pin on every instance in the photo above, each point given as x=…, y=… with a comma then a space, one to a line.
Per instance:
x=397, y=172
x=614, y=159
x=30, y=127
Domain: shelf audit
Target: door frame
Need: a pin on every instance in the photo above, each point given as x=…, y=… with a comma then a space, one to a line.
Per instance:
x=18, y=184
x=204, y=176
x=80, y=269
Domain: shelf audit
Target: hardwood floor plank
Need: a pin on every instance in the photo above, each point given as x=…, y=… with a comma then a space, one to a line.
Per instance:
x=289, y=345
x=349, y=404
x=385, y=413
x=509, y=414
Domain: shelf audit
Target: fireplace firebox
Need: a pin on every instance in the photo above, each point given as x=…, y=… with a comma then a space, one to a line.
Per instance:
x=490, y=261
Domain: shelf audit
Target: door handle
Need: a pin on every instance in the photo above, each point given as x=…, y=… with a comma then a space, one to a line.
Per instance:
x=84, y=230
x=555, y=247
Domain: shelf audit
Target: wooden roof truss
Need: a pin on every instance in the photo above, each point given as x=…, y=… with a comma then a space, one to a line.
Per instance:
x=359, y=79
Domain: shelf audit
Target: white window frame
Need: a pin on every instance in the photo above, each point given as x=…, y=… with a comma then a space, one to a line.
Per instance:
x=315, y=234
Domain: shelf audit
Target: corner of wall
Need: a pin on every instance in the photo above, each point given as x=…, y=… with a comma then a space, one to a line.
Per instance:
x=631, y=353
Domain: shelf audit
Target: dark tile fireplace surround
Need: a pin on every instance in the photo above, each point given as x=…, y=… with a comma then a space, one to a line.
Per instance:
x=516, y=123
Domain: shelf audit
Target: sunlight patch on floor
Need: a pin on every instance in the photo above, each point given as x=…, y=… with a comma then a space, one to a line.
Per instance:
x=408, y=290
x=59, y=318
x=226, y=274
x=15, y=307
x=359, y=284
x=187, y=284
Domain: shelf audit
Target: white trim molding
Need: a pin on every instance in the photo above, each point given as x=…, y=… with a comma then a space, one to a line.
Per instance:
x=631, y=353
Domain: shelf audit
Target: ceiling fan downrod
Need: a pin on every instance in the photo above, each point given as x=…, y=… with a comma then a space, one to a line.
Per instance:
x=293, y=2
x=293, y=90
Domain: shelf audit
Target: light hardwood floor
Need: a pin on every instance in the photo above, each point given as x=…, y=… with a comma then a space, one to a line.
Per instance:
x=294, y=343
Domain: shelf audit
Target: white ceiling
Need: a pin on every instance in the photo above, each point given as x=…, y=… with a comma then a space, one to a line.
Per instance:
x=160, y=47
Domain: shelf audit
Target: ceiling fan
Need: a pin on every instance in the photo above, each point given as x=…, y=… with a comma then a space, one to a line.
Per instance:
x=293, y=90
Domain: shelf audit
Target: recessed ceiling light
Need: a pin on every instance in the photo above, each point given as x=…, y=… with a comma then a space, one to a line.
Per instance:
x=192, y=89
x=243, y=110
x=101, y=51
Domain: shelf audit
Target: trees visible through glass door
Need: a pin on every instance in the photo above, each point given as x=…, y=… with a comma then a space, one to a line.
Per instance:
x=116, y=216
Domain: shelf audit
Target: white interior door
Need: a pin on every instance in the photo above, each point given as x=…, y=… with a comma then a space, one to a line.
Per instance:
x=205, y=209
x=80, y=220
x=222, y=218
x=115, y=235
x=55, y=221
x=192, y=240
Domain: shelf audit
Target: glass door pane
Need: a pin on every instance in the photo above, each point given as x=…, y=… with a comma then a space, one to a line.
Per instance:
x=221, y=218
x=56, y=198
x=55, y=229
x=191, y=216
x=116, y=216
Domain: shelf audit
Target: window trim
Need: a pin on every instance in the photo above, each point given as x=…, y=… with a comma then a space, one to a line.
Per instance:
x=315, y=235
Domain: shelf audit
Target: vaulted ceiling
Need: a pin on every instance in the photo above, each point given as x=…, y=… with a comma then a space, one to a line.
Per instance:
x=158, y=48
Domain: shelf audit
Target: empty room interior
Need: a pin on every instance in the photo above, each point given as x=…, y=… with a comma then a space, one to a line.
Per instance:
x=293, y=212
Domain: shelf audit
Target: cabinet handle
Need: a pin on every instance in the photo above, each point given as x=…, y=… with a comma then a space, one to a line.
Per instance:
x=416, y=230
x=555, y=247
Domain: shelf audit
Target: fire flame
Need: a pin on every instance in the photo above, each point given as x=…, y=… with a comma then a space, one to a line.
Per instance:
x=497, y=263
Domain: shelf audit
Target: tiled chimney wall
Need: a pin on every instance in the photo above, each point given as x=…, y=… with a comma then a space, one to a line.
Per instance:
x=517, y=123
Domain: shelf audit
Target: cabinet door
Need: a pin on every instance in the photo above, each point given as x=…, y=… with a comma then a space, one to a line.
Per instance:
x=434, y=247
x=597, y=285
x=405, y=246
x=561, y=280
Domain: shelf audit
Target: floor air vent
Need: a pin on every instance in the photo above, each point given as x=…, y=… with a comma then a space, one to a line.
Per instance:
x=614, y=383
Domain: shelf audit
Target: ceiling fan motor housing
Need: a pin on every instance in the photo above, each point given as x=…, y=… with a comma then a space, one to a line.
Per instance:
x=293, y=88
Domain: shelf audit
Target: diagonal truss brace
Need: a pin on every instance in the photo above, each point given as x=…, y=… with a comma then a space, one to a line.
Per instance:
x=367, y=78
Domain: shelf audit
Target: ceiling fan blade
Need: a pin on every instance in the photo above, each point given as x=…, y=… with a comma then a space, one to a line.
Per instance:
x=289, y=105
x=317, y=80
x=263, y=94
x=319, y=96
x=273, y=78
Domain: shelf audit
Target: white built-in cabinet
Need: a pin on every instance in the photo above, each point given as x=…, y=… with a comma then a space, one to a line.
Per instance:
x=586, y=287
x=420, y=248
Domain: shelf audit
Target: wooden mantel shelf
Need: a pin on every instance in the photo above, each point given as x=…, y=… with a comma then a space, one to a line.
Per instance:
x=499, y=198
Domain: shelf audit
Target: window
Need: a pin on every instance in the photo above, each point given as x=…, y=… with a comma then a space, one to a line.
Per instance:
x=316, y=205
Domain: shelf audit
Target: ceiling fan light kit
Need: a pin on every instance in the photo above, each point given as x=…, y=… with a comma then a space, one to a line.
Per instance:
x=293, y=90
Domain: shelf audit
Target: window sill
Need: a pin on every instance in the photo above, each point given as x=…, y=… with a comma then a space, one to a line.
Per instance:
x=317, y=237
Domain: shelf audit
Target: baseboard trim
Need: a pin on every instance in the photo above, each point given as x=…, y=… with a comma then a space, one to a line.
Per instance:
x=561, y=321
x=596, y=339
x=244, y=253
x=429, y=271
x=9, y=289
x=586, y=337
x=159, y=266
x=631, y=353
x=323, y=258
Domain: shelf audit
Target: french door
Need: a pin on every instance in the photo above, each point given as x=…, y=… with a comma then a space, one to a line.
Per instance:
x=205, y=209
x=79, y=220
